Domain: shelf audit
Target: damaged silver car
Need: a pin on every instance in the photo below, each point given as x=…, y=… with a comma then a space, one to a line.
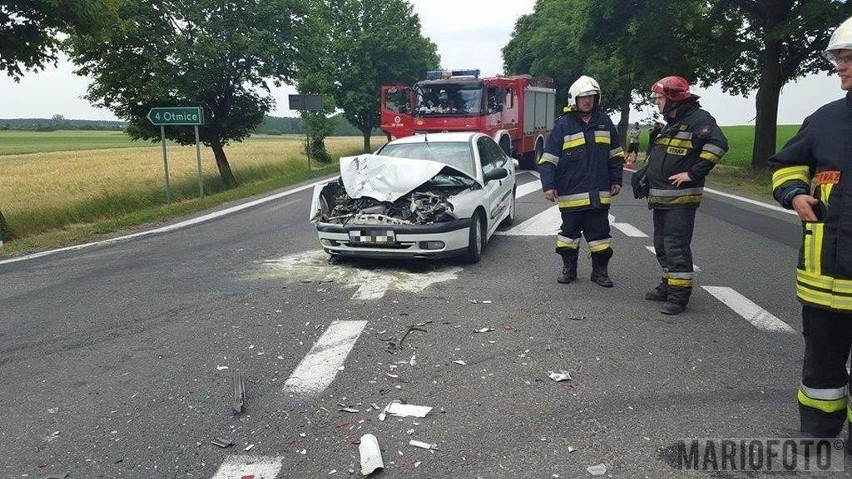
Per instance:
x=423, y=196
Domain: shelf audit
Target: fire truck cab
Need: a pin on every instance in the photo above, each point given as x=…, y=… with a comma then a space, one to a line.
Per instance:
x=517, y=111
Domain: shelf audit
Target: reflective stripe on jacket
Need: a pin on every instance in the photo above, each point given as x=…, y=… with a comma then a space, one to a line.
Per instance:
x=691, y=142
x=821, y=153
x=582, y=161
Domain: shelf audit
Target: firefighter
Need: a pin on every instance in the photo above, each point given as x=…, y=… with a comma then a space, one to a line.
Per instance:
x=820, y=154
x=581, y=171
x=687, y=148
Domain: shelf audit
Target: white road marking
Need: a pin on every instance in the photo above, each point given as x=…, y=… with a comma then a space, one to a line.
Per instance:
x=373, y=283
x=375, y=289
x=261, y=467
x=545, y=223
x=754, y=314
x=654, y=252
x=318, y=369
x=629, y=230
x=528, y=188
x=165, y=229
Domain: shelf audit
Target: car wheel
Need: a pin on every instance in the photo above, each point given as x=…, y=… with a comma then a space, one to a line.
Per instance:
x=475, y=239
x=510, y=219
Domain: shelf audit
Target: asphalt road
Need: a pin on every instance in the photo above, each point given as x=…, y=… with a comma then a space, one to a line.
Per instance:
x=117, y=360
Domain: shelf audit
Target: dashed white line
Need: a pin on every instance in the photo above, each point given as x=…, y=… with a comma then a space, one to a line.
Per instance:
x=318, y=369
x=238, y=467
x=654, y=252
x=629, y=230
x=545, y=223
x=754, y=314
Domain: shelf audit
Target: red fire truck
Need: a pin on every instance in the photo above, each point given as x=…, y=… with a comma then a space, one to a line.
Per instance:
x=517, y=111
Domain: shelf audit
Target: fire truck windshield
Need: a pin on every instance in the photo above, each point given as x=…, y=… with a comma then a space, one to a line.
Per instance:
x=449, y=99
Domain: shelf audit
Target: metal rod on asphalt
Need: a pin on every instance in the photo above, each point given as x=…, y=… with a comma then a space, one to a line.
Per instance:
x=198, y=157
x=165, y=161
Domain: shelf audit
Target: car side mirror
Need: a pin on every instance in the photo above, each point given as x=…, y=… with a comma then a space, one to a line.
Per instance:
x=496, y=174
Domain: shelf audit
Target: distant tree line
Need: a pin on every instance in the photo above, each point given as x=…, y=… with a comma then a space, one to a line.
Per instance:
x=271, y=125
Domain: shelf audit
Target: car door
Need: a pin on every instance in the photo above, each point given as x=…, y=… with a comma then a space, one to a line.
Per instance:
x=490, y=157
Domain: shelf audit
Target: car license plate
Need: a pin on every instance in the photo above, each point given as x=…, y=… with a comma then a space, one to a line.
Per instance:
x=372, y=236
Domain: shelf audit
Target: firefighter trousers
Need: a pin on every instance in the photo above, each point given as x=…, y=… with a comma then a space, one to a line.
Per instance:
x=672, y=238
x=824, y=390
x=591, y=223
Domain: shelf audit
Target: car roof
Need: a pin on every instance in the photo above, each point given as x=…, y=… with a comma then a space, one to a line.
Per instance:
x=454, y=136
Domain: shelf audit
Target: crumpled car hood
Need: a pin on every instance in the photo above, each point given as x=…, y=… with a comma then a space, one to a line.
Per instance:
x=386, y=178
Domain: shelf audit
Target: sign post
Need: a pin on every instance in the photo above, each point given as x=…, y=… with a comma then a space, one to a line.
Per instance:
x=311, y=102
x=178, y=116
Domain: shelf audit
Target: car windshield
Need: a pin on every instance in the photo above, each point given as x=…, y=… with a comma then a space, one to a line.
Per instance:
x=457, y=154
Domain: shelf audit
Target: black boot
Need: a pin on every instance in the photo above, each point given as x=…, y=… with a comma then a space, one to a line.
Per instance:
x=660, y=293
x=676, y=300
x=569, y=265
x=599, y=263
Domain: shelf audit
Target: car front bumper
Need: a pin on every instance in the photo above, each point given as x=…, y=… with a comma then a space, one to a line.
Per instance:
x=408, y=242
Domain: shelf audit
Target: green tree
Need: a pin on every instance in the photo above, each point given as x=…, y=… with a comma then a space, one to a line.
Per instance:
x=617, y=42
x=217, y=54
x=763, y=45
x=372, y=42
x=29, y=29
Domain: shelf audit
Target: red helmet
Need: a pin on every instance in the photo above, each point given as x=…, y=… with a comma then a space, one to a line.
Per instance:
x=674, y=88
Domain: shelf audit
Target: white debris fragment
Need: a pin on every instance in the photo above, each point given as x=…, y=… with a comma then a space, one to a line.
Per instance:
x=303, y=452
x=221, y=368
x=484, y=330
x=416, y=463
x=597, y=470
x=571, y=449
x=410, y=432
x=459, y=361
x=383, y=414
x=421, y=444
x=486, y=301
x=560, y=376
x=348, y=409
x=392, y=375
x=301, y=434
x=407, y=410
x=333, y=471
x=412, y=362
x=248, y=448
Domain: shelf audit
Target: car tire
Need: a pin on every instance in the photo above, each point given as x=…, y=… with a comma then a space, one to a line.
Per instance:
x=475, y=239
x=510, y=219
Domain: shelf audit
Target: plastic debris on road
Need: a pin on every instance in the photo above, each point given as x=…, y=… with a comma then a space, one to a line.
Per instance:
x=422, y=445
x=560, y=376
x=460, y=362
x=371, y=455
x=221, y=442
x=407, y=410
x=483, y=330
x=597, y=470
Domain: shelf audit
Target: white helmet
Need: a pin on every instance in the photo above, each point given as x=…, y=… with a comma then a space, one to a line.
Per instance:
x=841, y=39
x=584, y=86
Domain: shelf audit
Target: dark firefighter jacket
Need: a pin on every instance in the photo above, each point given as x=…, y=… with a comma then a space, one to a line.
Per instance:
x=690, y=142
x=821, y=152
x=582, y=161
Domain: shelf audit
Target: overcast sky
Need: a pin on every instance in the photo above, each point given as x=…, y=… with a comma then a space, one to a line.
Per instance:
x=469, y=34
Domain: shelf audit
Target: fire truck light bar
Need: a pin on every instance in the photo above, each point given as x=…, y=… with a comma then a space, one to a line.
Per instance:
x=439, y=74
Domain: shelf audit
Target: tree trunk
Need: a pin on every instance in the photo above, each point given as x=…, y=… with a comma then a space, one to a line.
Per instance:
x=222, y=163
x=366, y=134
x=624, y=122
x=766, y=104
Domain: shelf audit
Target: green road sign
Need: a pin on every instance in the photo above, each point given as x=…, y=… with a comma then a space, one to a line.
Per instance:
x=176, y=115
